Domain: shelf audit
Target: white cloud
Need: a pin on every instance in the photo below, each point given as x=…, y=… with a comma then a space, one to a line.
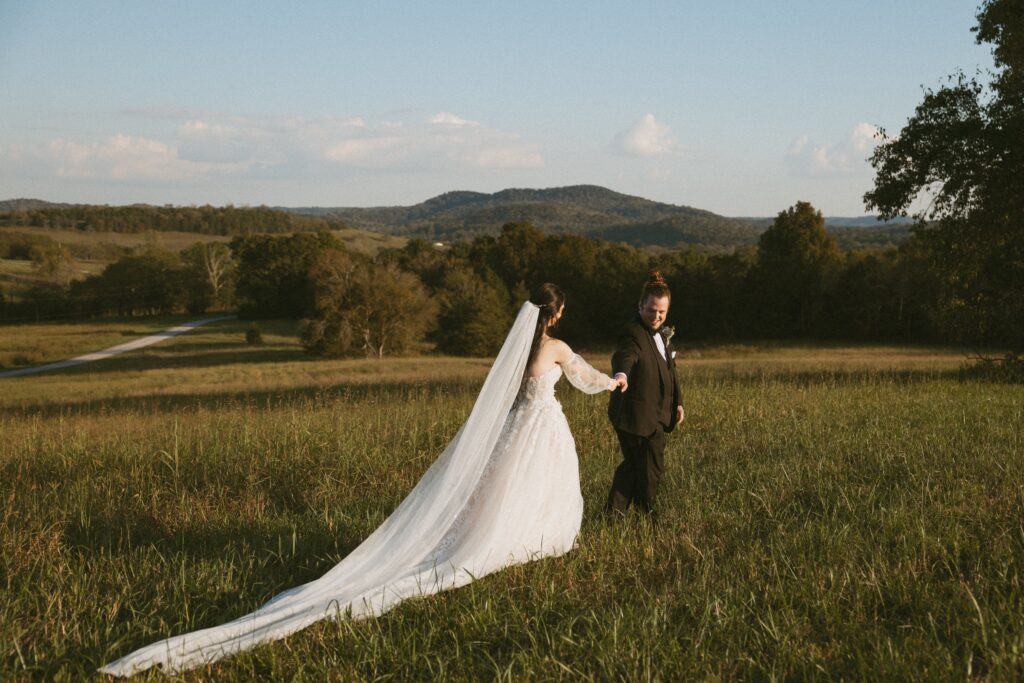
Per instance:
x=446, y=119
x=200, y=128
x=356, y=149
x=445, y=140
x=645, y=138
x=846, y=156
x=124, y=157
x=203, y=144
x=864, y=138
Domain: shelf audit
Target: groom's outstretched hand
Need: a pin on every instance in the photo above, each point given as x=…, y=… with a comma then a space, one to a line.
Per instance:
x=620, y=379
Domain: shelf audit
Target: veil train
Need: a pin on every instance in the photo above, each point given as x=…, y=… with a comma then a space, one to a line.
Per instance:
x=411, y=553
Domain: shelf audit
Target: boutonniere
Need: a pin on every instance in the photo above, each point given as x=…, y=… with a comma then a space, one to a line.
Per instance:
x=667, y=332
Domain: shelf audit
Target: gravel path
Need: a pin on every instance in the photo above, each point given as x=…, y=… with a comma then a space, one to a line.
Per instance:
x=115, y=350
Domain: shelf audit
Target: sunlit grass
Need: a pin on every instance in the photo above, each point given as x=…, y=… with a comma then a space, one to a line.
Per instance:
x=832, y=512
x=30, y=344
x=166, y=239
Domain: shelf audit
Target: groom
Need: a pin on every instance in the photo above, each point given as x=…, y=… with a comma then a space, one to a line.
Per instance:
x=652, y=405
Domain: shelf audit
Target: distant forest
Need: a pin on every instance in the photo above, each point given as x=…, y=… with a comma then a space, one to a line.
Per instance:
x=206, y=220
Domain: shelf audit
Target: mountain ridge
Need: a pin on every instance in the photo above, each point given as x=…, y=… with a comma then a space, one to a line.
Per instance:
x=589, y=210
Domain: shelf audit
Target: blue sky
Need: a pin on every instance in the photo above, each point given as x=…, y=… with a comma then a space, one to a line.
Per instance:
x=738, y=107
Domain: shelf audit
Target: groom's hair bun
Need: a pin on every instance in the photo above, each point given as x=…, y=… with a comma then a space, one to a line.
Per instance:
x=656, y=287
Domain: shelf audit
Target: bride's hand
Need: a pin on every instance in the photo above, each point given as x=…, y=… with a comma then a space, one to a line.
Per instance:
x=620, y=382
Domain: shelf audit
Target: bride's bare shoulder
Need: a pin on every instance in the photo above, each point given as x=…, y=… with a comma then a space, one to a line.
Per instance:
x=559, y=350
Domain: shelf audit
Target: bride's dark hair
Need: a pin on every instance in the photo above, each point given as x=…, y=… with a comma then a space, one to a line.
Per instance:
x=550, y=299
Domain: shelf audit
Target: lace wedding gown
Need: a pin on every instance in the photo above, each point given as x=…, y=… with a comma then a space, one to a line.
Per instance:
x=506, y=490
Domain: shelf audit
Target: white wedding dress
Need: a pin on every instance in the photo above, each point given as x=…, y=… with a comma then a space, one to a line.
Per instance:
x=506, y=490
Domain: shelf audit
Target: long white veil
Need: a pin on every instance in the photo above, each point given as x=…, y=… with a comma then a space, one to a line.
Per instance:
x=405, y=556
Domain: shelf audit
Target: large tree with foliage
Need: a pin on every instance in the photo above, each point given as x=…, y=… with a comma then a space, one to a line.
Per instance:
x=150, y=283
x=796, y=262
x=961, y=155
x=474, y=314
x=273, y=270
x=364, y=309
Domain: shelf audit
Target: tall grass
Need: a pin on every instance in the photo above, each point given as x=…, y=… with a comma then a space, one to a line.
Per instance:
x=847, y=516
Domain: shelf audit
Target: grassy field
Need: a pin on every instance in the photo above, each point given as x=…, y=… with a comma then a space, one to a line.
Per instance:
x=166, y=239
x=35, y=344
x=17, y=275
x=828, y=512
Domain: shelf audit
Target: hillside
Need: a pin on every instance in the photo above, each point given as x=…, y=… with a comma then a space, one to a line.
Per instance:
x=587, y=210
x=591, y=211
x=21, y=204
x=583, y=209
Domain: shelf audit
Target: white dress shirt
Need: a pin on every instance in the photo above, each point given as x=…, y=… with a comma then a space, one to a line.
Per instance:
x=660, y=342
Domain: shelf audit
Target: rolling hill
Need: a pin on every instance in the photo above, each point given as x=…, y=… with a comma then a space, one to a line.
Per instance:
x=592, y=211
x=588, y=210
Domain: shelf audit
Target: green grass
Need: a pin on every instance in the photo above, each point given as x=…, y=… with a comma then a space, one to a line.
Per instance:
x=166, y=239
x=30, y=344
x=367, y=241
x=834, y=513
x=18, y=275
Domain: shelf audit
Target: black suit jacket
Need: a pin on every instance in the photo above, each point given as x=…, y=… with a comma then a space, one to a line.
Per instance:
x=649, y=403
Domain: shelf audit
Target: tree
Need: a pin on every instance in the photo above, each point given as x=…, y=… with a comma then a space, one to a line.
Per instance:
x=146, y=284
x=53, y=261
x=797, y=260
x=963, y=152
x=273, y=272
x=428, y=262
x=513, y=256
x=360, y=308
x=474, y=314
x=211, y=275
x=329, y=331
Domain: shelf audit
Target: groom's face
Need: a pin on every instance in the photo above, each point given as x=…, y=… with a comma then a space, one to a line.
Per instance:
x=654, y=309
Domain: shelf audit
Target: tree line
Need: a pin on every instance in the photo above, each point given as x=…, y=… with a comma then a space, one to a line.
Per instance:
x=206, y=220
x=795, y=283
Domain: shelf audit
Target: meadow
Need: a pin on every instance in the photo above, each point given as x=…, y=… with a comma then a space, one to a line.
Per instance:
x=829, y=512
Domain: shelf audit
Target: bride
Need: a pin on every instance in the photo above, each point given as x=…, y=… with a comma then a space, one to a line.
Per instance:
x=505, y=490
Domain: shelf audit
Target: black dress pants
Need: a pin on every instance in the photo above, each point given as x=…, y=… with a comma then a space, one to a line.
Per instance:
x=636, y=478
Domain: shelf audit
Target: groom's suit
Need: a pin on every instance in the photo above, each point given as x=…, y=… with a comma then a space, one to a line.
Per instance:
x=642, y=414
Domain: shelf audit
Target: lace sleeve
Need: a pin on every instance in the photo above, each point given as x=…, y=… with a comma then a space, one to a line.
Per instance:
x=586, y=378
